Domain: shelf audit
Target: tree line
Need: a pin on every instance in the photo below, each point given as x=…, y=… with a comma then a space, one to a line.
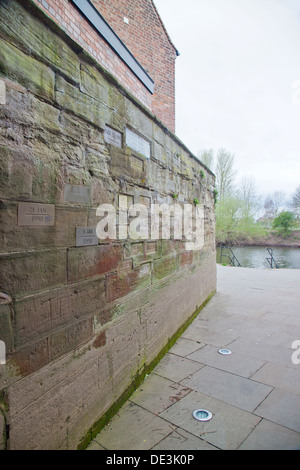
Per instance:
x=241, y=213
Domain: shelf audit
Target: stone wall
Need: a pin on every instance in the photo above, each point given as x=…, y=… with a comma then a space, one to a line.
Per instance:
x=83, y=324
x=145, y=37
x=70, y=20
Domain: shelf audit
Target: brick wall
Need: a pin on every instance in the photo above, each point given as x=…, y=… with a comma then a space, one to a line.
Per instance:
x=144, y=36
x=147, y=39
x=81, y=323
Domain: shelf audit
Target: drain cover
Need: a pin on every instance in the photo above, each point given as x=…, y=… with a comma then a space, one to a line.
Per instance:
x=225, y=352
x=202, y=415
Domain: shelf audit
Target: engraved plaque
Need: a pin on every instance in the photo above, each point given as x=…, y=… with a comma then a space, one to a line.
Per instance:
x=31, y=214
x=137, y=163
x=122, y=202
x=138, y=143
x=125, y=201
x=86, y=236
x=2, y=92
x=76, y=193
x=146, y=201
x=112, y=137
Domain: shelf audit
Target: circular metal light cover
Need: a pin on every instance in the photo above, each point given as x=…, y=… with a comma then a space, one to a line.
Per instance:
x=202, y=415
x=224, y=352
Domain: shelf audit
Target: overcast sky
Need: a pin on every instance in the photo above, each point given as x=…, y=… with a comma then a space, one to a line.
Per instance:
x=239, y=61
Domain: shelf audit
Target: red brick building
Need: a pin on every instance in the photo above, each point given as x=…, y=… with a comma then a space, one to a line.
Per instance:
x=128, y=38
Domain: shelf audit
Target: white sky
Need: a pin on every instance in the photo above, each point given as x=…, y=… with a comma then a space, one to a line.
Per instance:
x=239, y=60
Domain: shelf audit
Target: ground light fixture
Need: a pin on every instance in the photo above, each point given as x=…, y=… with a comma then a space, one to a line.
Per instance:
x=202, y=415
x=224, y=352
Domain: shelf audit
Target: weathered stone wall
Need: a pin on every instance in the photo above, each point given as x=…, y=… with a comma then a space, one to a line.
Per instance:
x=82, y=325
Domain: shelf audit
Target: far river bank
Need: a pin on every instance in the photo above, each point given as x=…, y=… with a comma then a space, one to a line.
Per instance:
x=272, y=239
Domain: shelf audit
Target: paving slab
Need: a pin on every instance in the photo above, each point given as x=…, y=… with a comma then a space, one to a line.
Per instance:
x=180, y=439
x=230, y=388
x=271, y=436
x=253, y=394
x=228, y=427
x=157, y=393
x=278, y=376
x=184, y=346
x=237, y=363
x=283, y=408
x=266, y=352
x=133, y=428
x=204, y=334
x=176, y=368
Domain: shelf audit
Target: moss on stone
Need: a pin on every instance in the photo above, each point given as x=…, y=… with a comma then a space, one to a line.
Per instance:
x=137, y=380
x=27, y=71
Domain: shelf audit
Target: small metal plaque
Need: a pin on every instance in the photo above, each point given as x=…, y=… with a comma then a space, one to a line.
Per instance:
x=138, y=143
x=86, y=236
x=112, y=137
x=76, y=193
x=2, y=92
x=31, y=214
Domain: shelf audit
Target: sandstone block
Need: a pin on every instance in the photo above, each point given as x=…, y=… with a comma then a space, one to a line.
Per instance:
x=93, y=83
x=2, y=431
x=164, y=266
x=25, y=273
x=30, y=73
x=119, y=285
x=31, y=358
x=6, y=326
x=70, y=338
x=39, y=315
x=78, y=103
x=185, y=259
x=44, y=43
x=92, y=261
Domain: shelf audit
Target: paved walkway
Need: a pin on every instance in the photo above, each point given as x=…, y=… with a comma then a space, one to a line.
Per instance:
x=253, y=394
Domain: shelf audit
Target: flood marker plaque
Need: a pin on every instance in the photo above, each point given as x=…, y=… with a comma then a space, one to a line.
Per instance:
x=112, y=137
x=86, y=236
x=76, y=193
x=31, y=214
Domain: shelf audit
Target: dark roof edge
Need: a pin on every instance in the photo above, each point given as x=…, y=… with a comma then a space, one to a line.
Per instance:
x=88, y=10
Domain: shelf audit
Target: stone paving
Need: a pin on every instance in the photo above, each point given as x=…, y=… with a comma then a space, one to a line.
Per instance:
x=253, y=393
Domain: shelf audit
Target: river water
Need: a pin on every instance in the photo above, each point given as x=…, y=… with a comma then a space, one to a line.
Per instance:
x=255, y=257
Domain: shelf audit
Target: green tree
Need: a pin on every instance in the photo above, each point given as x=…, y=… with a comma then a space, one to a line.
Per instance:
x=284, y=222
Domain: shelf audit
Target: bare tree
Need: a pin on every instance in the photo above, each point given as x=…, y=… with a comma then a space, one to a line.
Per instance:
x=279, y=199
x=207, y=157
x=249, y=198
x=273, y=204
x=295, y=203
x=225, y=173
x=270, y=211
